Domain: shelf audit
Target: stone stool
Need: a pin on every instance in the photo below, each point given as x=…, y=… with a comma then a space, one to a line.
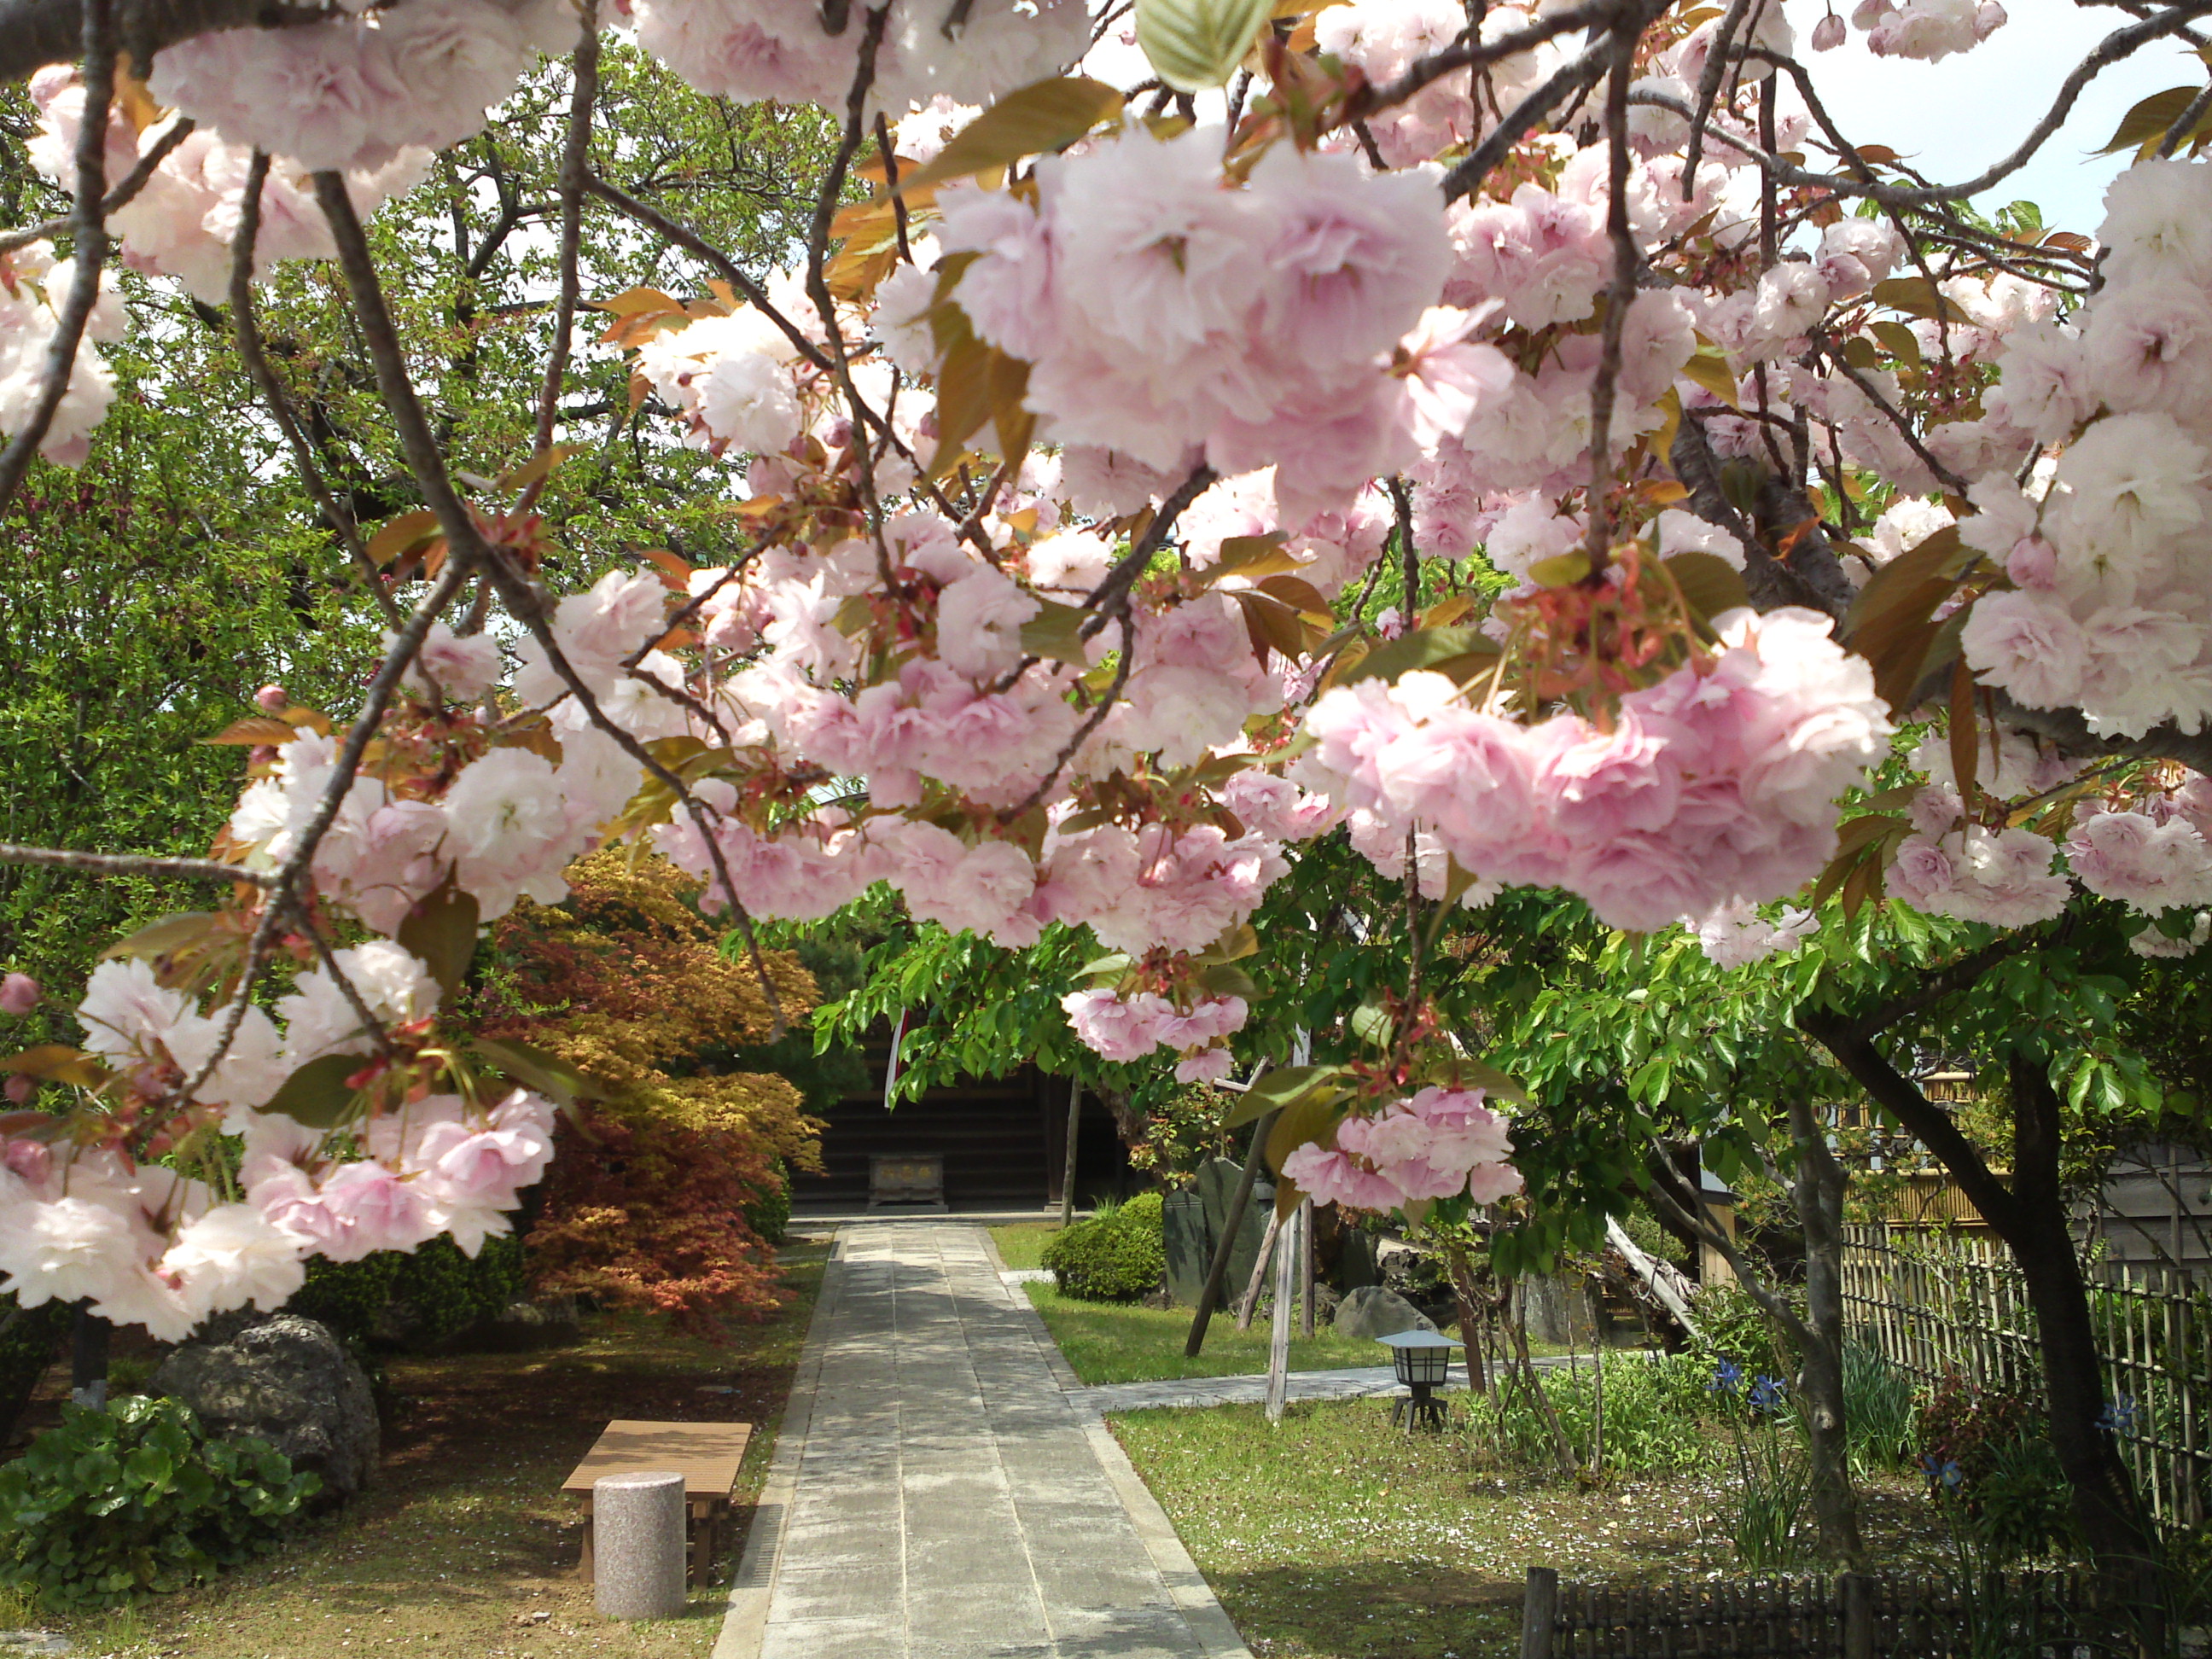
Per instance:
x=638, y=1522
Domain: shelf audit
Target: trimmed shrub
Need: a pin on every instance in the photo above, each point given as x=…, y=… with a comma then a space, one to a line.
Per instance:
x=769, y=1215
x=420, y=1298
x=1116, y=1256
x=135, y=1498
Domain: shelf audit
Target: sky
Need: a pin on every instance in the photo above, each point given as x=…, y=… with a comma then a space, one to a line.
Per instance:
x=1955, y=118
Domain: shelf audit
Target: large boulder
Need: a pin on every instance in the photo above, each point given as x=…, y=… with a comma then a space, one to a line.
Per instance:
x=1370, y=1311
x=288, y=1381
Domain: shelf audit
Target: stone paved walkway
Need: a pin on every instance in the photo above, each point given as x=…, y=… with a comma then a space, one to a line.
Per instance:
x=940, y=1491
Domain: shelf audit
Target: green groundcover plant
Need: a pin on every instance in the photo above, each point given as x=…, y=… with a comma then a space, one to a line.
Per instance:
x=137, y=1497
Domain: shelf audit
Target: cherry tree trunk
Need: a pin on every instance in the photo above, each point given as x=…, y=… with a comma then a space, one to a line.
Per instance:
x=1818, y=1191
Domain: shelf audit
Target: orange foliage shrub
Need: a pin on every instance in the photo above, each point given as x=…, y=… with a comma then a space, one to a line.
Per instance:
x=645, y=1203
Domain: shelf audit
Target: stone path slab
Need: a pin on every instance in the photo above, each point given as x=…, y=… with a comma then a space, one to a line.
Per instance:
x=938, y=1492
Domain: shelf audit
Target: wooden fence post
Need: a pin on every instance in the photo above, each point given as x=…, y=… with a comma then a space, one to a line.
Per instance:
x=1858, y=1616
x=1539, y=1607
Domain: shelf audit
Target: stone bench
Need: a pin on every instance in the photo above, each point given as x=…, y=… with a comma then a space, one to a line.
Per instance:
x=708, y=1454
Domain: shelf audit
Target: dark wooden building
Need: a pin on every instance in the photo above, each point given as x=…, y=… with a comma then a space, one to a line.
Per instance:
x=1003, y=1140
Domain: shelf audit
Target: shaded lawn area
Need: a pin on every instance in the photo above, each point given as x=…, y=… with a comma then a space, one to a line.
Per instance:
x=1128, y=1342
x=465, y=1547
x=1333, y=1537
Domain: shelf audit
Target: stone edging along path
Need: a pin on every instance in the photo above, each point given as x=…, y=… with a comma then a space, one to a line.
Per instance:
x=945, y=1487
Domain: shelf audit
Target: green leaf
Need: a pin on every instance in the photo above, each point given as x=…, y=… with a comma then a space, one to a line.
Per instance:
x=1461, y=651
x=534, y=1068
x=1055, y=632
x=1224, y=979
x=1252, y=557
x=1708, y=369
x=1279, y=1088
x=317, y=1094
x=1710, y=584
x=2147, y=122
x=1194, y=44
x=1371, y=1023
x=1310, y=1119
x=167, y=936
x=1028, y=122
x=442, y=931
x=1492, y=1080
x=1915, y=297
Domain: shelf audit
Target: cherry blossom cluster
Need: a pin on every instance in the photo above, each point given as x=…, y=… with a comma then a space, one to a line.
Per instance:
x=754, y=50
x=2105, y=573
x=1130, y=1028
x=33, y=288
x=149, y=1245
x=1736, y=935
x=184, y=221
x=2144, y=842
x=351, y=94
x=1437, y=1143
x=1713, y=787
x=1095, y=658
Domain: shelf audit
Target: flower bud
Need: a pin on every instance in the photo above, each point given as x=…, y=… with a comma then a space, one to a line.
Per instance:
x=2033, y=563
x=273, y=697
x=19, y=994
x=19, y=1089
x=1828, y=34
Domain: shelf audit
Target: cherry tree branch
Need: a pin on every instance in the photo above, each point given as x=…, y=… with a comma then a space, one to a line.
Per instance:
x=121, y=197
x=36, y=33
x=2121, y=44
x=575, y=169
x=132, y=864
x=1950, y=480
x=88, y=248
x=1110, y=598
x=697, y=245
x=1476, y=54
x=527, y=606
x=1627, y=258
x=251, y=353
x=467, y=551
x=1576, y=77
x=1709, y=89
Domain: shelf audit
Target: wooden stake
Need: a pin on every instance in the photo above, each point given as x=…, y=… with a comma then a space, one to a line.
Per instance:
x=1278, y=1348
x=1068, y=1174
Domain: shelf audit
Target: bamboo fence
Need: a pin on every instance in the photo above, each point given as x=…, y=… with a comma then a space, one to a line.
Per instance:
x=1934, y=1304
x=2040, y=1615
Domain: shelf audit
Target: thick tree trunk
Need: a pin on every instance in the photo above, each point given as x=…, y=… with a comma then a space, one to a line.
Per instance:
x=1817, y=1188
x=2105, y=1507
x=1472, y=1310
x=2030, y=1217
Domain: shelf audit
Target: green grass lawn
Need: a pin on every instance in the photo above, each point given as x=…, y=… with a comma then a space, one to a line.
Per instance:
x=1333, y=1537
x=1116, y=1342
x=1022, y=1243
x=1125, y=1342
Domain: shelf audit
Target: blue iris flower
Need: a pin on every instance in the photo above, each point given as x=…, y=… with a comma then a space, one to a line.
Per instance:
x=1943, y=1472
